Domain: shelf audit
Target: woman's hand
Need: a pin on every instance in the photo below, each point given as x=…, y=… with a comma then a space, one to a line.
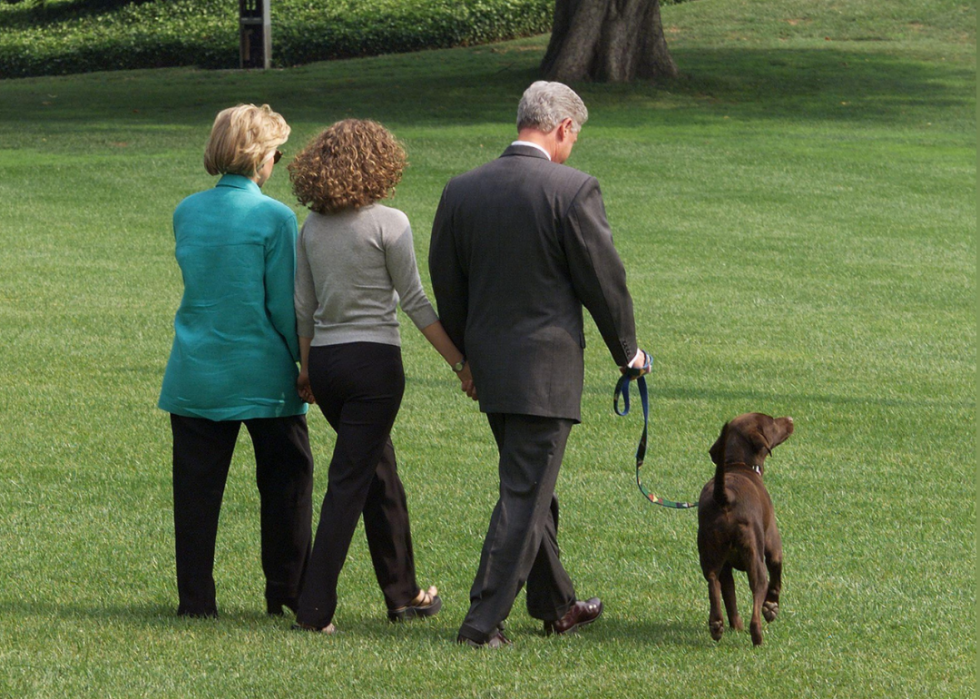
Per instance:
x=303, y=387
x=437, y=337
x=303, y=380
x=466, y=381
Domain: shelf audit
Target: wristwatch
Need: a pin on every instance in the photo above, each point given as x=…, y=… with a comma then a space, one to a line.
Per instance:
x=458, y=366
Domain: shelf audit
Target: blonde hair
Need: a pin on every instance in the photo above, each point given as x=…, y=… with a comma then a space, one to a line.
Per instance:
x=352, y=164
x=242, y=137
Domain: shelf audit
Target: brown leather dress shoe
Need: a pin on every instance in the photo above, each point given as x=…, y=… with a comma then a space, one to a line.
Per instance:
x=580, y=614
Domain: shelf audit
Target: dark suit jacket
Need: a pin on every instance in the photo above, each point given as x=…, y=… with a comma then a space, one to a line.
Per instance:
x=518, y=246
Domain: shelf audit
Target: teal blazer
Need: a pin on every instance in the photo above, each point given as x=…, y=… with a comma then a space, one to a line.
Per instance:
x=235, y=347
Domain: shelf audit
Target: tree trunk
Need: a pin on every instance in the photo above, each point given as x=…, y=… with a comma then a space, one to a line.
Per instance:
x=607, y=41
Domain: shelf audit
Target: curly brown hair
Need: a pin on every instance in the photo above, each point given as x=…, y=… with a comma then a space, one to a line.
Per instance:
x=351, y=164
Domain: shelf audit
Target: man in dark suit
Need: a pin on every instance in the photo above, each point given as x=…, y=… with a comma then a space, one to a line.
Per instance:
x=518, y=246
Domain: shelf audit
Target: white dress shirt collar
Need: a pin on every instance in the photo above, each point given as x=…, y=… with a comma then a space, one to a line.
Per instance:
x=533, y=145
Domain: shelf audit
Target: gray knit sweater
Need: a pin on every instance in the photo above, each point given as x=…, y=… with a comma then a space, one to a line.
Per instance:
x=351, y=270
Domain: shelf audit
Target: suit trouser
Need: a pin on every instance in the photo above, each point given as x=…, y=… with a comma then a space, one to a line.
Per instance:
x=358, y=387
x=284, y=474
x=522, y=542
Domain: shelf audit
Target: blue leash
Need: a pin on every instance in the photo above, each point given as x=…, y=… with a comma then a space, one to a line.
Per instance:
x=623, y=389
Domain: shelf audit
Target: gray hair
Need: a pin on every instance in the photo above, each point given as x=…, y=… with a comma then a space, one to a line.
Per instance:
x=545, y=104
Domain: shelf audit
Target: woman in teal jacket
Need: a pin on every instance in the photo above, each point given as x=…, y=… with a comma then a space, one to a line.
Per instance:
x=234, y=360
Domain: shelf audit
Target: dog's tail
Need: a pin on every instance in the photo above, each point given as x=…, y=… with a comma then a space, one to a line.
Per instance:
x=719, y=494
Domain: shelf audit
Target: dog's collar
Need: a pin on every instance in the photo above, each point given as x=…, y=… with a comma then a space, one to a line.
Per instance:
x=756, y=467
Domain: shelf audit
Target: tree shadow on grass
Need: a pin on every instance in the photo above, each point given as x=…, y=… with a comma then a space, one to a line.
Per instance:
x=808, y=85
x=685, y=394
x=479, y=86
x=677, y=393
x=611, y=628
x=148, y=614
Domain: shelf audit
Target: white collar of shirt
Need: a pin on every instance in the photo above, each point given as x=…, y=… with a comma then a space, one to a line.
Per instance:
x=533, y=145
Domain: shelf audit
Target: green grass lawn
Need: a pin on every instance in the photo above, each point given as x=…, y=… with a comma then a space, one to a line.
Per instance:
x=797, y=216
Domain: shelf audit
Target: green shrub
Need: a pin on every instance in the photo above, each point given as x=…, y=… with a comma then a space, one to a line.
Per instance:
x=74, y=36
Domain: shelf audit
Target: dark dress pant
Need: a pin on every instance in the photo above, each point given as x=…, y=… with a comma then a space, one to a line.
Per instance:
x=521, y=545
x=358, y=387
x=284, y=475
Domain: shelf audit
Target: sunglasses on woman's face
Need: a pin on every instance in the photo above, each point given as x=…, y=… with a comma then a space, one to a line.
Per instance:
x=276, y=157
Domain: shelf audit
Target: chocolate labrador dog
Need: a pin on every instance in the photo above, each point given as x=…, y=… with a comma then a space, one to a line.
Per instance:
x=736, y=522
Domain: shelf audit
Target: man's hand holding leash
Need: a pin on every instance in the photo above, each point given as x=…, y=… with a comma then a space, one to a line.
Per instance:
x=641, y=365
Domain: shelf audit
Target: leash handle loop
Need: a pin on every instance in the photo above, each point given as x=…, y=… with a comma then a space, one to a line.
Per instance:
x=623, y=390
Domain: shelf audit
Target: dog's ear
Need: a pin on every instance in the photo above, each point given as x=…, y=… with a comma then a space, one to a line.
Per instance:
x=717, y=450
x=760, y=442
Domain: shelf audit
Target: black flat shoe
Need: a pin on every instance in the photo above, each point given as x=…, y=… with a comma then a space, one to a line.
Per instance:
x=498, y=640
x=275, y=608
x=198, y=615
x=328, y=629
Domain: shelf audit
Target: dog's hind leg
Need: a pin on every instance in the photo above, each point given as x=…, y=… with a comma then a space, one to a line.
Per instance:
x=774, y=562
x=728, y=595
x=715, y=623
x=759, y=583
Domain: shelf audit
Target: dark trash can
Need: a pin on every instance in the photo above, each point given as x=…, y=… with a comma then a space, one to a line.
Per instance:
x=255, y=33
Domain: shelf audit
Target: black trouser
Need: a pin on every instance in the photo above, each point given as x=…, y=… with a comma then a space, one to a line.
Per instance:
x=284, y=474
x=358, y=387
x=522, y=542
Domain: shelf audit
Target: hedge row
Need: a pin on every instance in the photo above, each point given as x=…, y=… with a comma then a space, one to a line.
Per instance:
x=75, y=36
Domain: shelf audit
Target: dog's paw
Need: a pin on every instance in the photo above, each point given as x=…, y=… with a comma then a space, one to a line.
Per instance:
x=717, y=628
x=737, y=624
x=770, y=610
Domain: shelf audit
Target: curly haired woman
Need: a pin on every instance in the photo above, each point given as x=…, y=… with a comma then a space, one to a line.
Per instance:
x=355, y=261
